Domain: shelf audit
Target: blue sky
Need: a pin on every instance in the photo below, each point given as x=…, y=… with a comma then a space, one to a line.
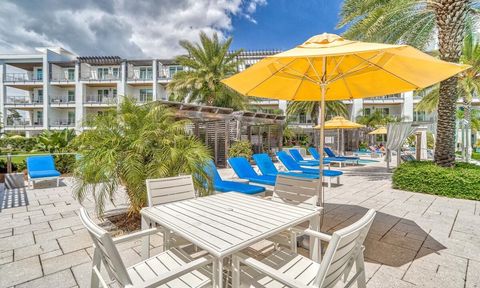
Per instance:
x=283, y=24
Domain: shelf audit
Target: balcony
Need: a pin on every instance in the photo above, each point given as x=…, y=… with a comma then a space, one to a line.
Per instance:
x=396, y=98
x=22, y=101
x=62, y=123
x=61, y=101
x=100, y=101
x=63, y=77
x=22, y=124
x=93, y=76
x=23, y=78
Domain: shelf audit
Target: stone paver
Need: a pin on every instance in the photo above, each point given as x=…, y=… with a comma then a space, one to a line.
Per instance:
x=416, y=240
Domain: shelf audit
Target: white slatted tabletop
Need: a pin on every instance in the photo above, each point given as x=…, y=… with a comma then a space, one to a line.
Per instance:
x=226, y=223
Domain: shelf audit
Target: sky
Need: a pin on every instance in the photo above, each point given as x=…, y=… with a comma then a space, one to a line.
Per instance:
x=153, y=28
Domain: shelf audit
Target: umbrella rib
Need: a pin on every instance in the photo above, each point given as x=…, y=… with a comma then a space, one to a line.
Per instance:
x=301, y=81
x=273, y=74
x=344, y=80
x=351, y=71
x=381, y=68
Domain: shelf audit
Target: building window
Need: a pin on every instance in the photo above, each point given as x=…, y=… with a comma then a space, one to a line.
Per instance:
x=116, y=72
x=39, y=96
x=174, y=69
x=39, y=120
x=146, y=73
x=102, y=73
x=367, y=111
x=302, y=118
x=114, y=93
x=71, y=74
x=102, y=94
x=419, y=116
x=39, y=74
x=71, y=96
x=386, y=111
x=146, y=95
x=71, y=117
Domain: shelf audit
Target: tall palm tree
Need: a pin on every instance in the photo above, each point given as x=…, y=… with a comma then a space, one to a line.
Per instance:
x=132, y=144
x=418, y=22
x=207, y=63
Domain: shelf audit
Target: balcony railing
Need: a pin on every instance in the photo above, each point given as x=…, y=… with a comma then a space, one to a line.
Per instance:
x=21, y=123
x=22, y=77
x=94, y=76
x=61, y=100
x=62, y=123
x=101, y=100
x=138, y=76
x=22, y=100
x=62, y=77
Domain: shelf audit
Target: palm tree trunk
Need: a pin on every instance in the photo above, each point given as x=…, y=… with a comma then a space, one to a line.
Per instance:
x=450, y=17
x=467, y=115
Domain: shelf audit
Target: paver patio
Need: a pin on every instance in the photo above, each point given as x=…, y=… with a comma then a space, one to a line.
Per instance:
x=416, y=239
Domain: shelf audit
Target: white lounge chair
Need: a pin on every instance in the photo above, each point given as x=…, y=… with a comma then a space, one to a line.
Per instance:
x=165, y=190
x=171, y=267
x=285, y=268
x=302, y=192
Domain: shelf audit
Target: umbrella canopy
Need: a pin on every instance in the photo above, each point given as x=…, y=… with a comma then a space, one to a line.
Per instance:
x=379, y=131
x=350, y=69
x=338, y=122
x=329, y=67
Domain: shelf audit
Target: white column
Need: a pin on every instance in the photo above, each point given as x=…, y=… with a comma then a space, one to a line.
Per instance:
x=154, y=79
x=357, y=109
x=407, y=106
x=46, y=91
x=423, y=147
x=3, y=94
x=122, y=84
x=79, y=100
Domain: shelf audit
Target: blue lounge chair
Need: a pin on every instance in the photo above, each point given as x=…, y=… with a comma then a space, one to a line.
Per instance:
x=221, y=185
x=330, y=153
x=337, y=160
x=297, y=156
x=265, y=164
x=292, y=165
x=244, y=171
x=41, y=168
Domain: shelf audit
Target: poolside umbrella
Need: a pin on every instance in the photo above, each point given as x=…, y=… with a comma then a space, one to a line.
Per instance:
x=379, y=131
x=339, y=123
x=329, y=67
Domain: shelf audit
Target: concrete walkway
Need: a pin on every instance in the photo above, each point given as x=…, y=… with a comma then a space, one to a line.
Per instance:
x=416, y=240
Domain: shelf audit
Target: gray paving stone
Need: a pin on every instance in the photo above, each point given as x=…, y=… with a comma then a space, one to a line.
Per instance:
x=45, y=218
x=47, y=236
x=6, y=257
x=77, y=241
x=65, y=222
x=20, y=271
x=12, y=242
x=37, y=249
x=473, y=275
x=62, y=279
x=54, y=264
x=32, y=227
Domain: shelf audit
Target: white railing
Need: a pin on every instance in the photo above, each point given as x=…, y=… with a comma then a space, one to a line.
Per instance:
x=61, y=100
x=22, y=100
x=62, y=123
x=22, y=123
x=100, y=100
x=22, y=77
x=93, y=76
x=62, y=77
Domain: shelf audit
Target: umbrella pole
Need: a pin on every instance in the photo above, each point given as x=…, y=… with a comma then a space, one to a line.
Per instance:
x=321, y=119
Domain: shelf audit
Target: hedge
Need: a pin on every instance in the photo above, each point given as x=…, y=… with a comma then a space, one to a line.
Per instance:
x=461, y=181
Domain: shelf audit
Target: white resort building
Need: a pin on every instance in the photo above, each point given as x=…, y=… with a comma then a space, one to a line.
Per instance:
x=56, y=89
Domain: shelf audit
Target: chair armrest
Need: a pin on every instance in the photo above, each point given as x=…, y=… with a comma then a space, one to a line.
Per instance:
x=275, y=274
x=136, y=235
x=317, y=234
x=296, y=171
x=175, y=273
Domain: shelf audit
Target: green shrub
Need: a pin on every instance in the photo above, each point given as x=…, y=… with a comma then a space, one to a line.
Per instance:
x=64, y=163
x=17, y=144
x=3, y=167
x=462, y=181
x=476, y=156
x=241, y=149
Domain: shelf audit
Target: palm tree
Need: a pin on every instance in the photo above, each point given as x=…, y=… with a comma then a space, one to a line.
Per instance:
x=376, y=119
x=132, y=144
x=333, y=108
x=206, y=65
x=417, y=22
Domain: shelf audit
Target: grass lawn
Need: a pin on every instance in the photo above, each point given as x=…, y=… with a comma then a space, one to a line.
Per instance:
x=462, y=181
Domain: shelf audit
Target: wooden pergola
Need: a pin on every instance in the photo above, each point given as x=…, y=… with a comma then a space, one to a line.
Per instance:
x=218, y=127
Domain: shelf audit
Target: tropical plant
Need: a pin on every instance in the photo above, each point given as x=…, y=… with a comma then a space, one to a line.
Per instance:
x=54, y=141
x=241, y=149
x=206, y=65
x=376, y=119
x=131, y=144
x=418, y=22
x=311, y=108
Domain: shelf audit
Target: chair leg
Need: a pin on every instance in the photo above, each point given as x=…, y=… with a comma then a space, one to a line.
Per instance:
x=94, y=280
x=360, y=266
x=58, y=182
x=293, y=242
x=338, y=180
x=235, y=271
x=329, y=182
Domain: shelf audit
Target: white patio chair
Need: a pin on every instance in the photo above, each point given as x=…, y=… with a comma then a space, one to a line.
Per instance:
x=171, y=268
x=285, y=268
x=301, y=192
x=171, y=189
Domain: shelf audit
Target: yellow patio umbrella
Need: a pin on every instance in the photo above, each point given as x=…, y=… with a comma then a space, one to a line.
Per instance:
x=339, y=123
x=379, y=131
x=329, y=67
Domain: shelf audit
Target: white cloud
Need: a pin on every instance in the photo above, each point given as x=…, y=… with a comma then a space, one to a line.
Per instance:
x=116, y=27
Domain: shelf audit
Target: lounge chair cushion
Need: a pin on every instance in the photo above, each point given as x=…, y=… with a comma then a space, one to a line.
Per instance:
x=330, y=153
x=244, y=171
x=291, y=164
x=265, y=164
x=43, y=174
x=229, y=186
x=297, y=156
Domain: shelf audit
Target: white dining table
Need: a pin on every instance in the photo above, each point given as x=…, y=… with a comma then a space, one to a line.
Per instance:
x=226, y=223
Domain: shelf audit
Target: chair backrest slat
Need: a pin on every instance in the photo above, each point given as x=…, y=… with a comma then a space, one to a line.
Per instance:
x=314, y=152
x=109, y=253
x=302, y=192
x=296, y=155
x=265, y=164
x=288, y=161
x=171, y=189
x=40, y=163
x=343, y=249
x=329, y=152
x=241, y=167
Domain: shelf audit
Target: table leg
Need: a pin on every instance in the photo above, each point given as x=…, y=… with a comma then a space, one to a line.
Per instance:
x=217, y=273
x=315, y=243
x=145, y=239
